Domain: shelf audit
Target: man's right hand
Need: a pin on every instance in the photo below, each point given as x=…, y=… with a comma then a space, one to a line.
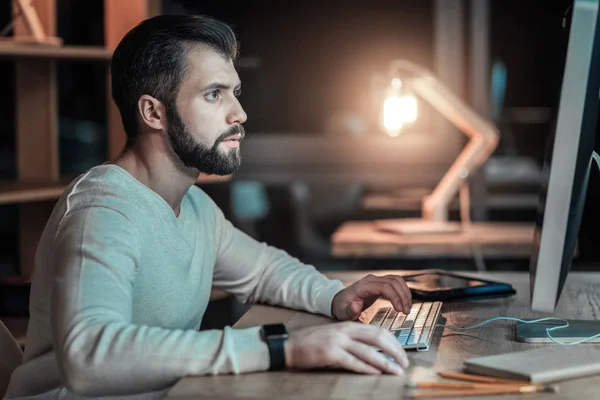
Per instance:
x=347, y=345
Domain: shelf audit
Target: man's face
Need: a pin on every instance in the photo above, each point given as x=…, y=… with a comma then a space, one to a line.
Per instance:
x=205, y=126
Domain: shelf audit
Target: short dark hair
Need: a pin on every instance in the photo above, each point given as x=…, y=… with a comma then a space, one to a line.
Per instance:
x=152, y=57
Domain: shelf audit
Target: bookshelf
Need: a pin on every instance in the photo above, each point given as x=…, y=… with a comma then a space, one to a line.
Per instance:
x=39, y=181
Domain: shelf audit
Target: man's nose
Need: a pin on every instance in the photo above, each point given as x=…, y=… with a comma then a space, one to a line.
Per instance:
x=237, y=114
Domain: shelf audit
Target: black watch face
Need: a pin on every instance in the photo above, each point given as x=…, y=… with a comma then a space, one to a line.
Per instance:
x=277, y=330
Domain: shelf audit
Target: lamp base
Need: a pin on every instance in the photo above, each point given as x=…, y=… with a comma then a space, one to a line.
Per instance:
x=418, y=226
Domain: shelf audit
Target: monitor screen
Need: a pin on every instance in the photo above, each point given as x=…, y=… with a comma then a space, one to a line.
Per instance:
x=567, y=161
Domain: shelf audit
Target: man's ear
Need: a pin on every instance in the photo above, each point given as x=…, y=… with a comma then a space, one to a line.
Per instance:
x=152, y=112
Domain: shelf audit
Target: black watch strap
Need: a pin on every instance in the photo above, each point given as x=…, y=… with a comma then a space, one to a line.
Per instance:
x=275, y=336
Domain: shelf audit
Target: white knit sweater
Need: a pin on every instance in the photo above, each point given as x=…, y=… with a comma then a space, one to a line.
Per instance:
x=121, y=285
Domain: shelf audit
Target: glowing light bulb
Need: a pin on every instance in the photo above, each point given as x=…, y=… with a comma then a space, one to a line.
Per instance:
x=400, y=108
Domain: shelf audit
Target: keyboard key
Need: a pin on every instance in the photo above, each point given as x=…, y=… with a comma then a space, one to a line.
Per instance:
x=414, y=330
x=398, y=322
x=412, y=340
x=389, y=319
x=379, y=316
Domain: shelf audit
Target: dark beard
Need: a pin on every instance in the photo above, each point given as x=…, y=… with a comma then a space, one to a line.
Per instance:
x=192, y=154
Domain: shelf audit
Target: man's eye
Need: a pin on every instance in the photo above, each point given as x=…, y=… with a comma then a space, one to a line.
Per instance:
x=237, y=93
x=214, y=95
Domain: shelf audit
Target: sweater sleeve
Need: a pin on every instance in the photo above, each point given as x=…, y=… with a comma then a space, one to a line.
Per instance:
x=98, y=348
x=258, y=273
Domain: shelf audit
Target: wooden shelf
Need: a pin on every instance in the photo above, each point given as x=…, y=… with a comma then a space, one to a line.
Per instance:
x=12, y=192
x=16, y=50
x=69, y=52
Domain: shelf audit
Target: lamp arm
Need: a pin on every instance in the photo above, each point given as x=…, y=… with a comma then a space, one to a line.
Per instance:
x=484, y=136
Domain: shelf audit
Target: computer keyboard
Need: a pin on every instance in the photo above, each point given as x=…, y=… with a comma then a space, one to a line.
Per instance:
x=415, y=330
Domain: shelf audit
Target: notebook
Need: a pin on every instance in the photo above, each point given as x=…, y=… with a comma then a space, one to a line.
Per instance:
x=541, y=365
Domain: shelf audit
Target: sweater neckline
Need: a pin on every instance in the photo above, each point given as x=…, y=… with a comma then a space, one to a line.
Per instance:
x=123, y=172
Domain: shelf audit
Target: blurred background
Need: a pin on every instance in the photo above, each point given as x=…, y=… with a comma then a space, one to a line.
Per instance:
x=312, y=74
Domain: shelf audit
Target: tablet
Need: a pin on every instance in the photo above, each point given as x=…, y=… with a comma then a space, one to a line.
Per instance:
x=441, y=285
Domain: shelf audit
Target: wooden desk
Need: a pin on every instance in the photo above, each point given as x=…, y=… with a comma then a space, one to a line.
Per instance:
x=403, y=201
x=581, y=299
x=364, y=239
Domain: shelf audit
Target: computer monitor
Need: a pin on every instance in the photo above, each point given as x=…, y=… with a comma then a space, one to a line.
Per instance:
x=567, y=165
x=568, y=159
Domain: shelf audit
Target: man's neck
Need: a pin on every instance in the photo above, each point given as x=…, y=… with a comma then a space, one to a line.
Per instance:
x=158, y=171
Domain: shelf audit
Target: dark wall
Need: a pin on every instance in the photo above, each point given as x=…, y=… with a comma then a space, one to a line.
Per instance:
x=316, y=59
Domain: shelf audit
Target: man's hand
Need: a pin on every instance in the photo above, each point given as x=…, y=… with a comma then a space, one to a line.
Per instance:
x=350, y=302
x=346, y=345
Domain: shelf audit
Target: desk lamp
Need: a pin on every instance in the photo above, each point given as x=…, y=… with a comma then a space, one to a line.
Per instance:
x=400, y=110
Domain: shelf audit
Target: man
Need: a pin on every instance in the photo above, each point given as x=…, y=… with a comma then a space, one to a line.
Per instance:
x=125, y=266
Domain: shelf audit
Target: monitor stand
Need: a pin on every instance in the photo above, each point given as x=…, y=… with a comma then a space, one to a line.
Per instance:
x=577, y=330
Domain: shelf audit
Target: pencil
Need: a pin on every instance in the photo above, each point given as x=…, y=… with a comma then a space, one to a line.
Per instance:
x=481, y=379
x=472, y=392
x=486, y=386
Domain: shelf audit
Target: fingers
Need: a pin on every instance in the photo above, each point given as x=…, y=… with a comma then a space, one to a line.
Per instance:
x=372, y=357
x=406, y=289
x=350, y=362
x=392, y=288
x=380, y=338
x=389, y=292
x=402, y=289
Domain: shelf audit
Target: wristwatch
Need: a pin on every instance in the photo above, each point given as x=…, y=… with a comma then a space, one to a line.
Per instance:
x=275, y=336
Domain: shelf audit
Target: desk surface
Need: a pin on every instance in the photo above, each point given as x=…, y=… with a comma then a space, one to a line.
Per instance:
x=581, y=300
x=364, y=239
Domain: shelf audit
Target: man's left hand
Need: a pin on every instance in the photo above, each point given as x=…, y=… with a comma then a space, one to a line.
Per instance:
x=349, y=303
